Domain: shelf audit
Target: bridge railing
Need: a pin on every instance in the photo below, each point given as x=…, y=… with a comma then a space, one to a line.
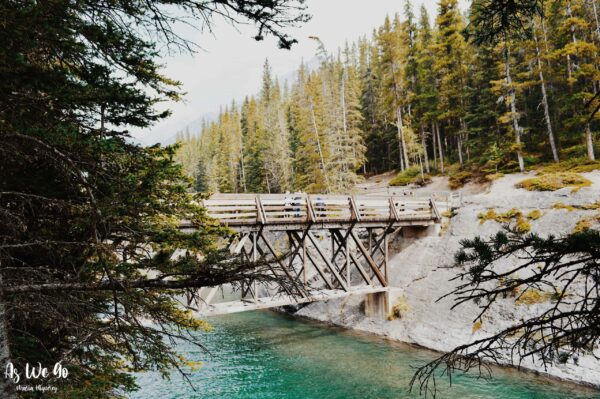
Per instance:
x=250, y=209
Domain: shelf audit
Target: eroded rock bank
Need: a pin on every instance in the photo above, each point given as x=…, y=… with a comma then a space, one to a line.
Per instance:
x=418, y=281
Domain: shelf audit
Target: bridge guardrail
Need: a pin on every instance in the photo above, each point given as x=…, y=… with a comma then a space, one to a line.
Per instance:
x=245, y=209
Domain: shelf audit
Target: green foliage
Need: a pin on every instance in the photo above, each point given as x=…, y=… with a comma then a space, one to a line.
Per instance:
x=494, y=18
x=510, y=88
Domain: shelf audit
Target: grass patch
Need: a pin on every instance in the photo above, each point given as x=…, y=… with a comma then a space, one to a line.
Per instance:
x=594, y=206
x=476, y=326
x=494, y=176
x=448, y=214
x=400, y=308
x=591, y=207
x=555, y=181
x=531, y=297
x=575, y=165
x=521, y=225
x=582, y=225
x=560, y=205
x=534, y=215
x=411, y=176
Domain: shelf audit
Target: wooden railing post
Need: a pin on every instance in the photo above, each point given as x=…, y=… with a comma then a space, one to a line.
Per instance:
x=260, y=215
x=354, y=209
x=434, y=210
x=310, y=213
x=393, y=211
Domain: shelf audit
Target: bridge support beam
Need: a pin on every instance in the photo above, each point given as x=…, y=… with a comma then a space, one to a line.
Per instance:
x=377, y=305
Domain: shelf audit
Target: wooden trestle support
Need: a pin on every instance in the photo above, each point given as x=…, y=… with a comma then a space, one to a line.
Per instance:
x=333, y=259
x=323, y=247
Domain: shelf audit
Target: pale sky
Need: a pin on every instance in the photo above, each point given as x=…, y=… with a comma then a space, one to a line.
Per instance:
x=230, y=66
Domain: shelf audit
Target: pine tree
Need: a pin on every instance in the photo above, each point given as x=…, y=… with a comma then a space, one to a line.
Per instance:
x=273, y=134
x=574, y=59
x=312, y=154
x=451, y=66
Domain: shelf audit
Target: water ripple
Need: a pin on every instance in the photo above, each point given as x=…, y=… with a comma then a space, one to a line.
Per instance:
x=262, y=355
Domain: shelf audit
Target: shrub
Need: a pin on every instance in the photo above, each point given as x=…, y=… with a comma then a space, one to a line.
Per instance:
x=459, y=179
x=411, y=175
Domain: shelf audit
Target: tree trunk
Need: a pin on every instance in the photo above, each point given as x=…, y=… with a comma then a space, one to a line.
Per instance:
x=595, y=10
x=545, y=99
x=243, y=168
x=589, y=142
x=459, y=147
x=421, y=167
x=440, y=147
x=314, y=121
x=400, y=157
x=434, y=140
x=403, y=155
x=513, y=106
x=462, y=135
x=6, y=387
x=424, y=145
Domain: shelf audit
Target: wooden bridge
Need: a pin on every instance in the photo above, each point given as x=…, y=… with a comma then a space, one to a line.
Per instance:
x=325, y=246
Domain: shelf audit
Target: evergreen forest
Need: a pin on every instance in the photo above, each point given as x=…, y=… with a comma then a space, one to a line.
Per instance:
x=422, y=95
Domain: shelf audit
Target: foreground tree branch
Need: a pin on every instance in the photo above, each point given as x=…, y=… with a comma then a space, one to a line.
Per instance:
x=561, y=272
x=261, y=271
x=90, y=250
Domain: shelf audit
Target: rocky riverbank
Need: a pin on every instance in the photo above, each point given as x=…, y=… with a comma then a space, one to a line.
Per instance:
x=418, y=281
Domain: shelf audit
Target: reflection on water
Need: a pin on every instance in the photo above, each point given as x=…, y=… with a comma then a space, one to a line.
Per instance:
x=263, y=355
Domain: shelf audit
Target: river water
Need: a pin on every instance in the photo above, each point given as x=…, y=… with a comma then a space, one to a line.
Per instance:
x=264, y=355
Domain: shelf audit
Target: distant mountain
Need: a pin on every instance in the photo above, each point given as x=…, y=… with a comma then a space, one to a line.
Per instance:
x=311, y=65
x=195, y=125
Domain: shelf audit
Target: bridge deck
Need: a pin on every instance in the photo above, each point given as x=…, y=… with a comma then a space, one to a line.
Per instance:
x=277, y=211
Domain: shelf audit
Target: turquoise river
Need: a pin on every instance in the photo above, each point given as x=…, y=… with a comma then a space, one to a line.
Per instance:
x=264, y=355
